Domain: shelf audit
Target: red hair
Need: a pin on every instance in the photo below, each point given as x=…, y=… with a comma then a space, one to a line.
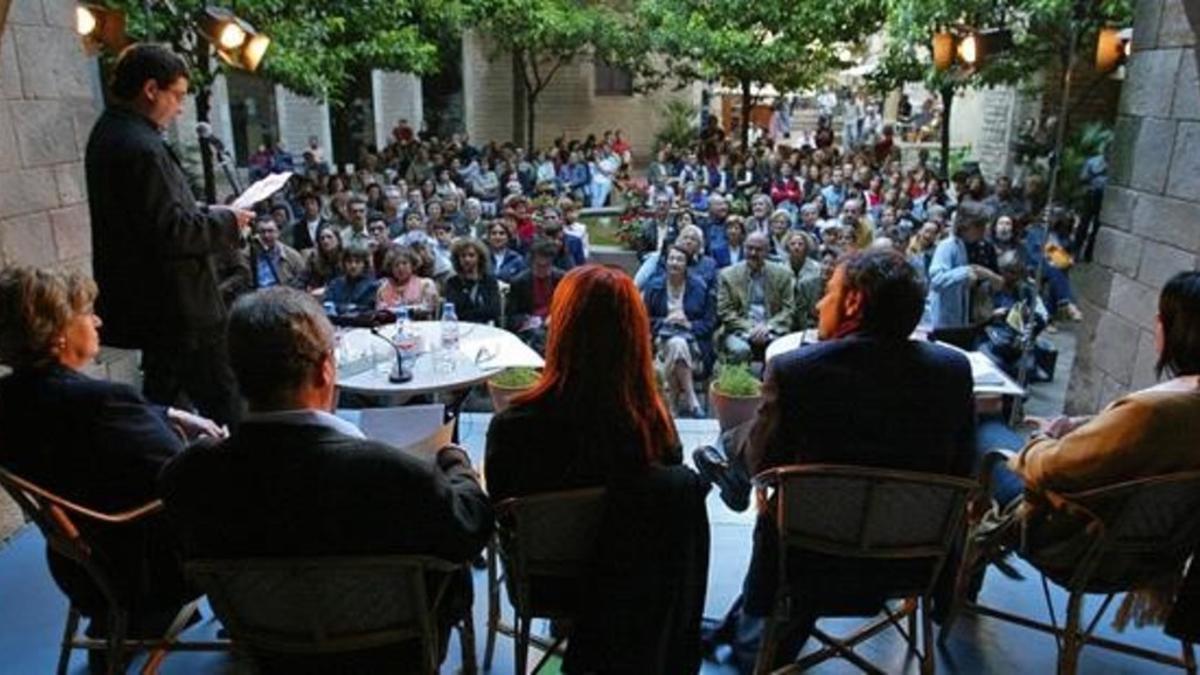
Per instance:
x=599, y=358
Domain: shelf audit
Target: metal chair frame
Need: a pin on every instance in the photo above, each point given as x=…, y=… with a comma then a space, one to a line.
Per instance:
x=55, y=516
x=789, y=480
x=520, y=570
x=414, y=568
x=1103, y=513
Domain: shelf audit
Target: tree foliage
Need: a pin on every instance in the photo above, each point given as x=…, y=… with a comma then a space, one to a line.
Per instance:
x=317, y=47
x=543, y=36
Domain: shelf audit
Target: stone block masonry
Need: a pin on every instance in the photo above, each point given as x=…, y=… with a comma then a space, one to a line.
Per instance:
x=1150, y=221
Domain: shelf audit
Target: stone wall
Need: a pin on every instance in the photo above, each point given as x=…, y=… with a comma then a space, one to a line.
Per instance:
x=47, y=106
x=396, y=96
x=569, y=105
x=1151, y=214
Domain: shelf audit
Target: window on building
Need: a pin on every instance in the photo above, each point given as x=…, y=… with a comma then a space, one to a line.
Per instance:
x=613, y=81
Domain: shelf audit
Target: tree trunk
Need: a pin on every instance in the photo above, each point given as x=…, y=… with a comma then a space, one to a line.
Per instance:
x=947, y=103
x=746, y=101
x=530, y=115
x=519, y=97
x=203, y=107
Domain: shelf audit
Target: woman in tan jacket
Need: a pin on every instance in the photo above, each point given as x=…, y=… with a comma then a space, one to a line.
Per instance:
x=1147, y=433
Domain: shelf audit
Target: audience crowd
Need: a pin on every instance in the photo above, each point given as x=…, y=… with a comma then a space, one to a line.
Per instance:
x=737, y=246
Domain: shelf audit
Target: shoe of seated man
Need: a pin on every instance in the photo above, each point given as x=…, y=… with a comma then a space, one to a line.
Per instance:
x=714, y=468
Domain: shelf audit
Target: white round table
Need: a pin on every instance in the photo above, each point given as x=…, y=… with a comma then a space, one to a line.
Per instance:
x=365, y=360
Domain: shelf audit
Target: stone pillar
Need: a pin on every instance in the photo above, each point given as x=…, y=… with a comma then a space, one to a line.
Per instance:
x=1151, y=215
x=47, y=110
x=396, y=96
x=301, y=117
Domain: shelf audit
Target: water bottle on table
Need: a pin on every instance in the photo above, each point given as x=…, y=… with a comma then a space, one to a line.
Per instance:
x=449, y=331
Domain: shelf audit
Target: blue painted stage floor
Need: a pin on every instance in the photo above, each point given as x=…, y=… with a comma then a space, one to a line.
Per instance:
x=32, y=610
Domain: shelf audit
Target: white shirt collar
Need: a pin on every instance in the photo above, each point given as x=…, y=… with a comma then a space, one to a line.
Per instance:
x=305, y=417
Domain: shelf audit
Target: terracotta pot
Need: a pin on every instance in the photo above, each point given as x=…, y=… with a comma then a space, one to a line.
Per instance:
x=501, y=396
x=732, y=410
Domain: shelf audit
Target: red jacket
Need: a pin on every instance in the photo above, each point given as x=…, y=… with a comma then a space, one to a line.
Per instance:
x=786, y=190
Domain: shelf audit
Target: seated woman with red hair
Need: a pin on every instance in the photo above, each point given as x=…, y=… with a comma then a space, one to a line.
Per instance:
x=596, y=419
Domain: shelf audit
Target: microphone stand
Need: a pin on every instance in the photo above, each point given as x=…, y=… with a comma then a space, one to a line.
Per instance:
x=400, y=375
x=226, y=161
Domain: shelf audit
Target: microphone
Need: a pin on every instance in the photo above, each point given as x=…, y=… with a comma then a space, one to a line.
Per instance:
x=205, y=132
x=400, y=375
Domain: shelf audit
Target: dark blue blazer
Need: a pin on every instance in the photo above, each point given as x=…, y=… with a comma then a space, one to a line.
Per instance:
x=862, y=401
x=699, y=305
x=352, y=296
x=511, y=265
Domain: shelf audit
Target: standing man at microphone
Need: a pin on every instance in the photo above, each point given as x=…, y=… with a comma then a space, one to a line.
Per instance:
x=153, y=244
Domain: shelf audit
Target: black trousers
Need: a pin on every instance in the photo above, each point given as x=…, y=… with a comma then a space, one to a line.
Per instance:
x=196, y=375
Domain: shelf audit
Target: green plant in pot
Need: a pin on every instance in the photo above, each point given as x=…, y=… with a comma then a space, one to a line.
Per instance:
x=735, y=394
x=508, y=383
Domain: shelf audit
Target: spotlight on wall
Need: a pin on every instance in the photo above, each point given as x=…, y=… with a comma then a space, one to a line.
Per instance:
x=101, y=28
x=236, y=41
x=1113, y=47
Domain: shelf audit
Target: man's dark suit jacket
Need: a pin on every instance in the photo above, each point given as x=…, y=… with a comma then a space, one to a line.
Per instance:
x=860, y=400
x=520, y=296
x=100, y=445
x=152, y=245
x=280, y=490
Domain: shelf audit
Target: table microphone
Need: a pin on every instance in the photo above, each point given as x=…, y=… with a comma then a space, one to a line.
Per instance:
x=399, y=375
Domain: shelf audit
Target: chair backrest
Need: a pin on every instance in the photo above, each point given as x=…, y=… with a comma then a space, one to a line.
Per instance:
x=1137, y=530
x=868, y=513
x=547, y=536
x=56, y=517
x=325, y=605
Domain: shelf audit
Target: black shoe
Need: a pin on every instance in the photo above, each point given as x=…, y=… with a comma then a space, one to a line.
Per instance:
x=713, y=467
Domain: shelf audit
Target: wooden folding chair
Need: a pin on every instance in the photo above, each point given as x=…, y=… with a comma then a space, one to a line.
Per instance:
x=546, y=540
x=56, y=517
x=333, y=605
x=1121, y=537
x=871, y=515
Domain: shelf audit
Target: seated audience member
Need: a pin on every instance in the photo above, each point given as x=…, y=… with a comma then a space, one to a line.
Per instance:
x=401, y=286
x=323, y=262
x=659, y=229
x=1048, y=240
x=506, y=263
x=921, y=248
x=867, y=395
x=780, y=225
x=472, y=289
x=691, y=238
x=379, y=244
x=270, y=261
x=683, y=316
x=575, y=227
x=531, y=292
x=297, y=481
x=755, y=302
x=714, y=225
x=732, y=250
x=304, y=230
x=96, y=443
x=570, y=247
x=806, y=272
x=472, y=223
x=595, y=419
x=354, y=291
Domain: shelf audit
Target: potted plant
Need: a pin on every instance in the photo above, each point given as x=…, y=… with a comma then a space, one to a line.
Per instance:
x=735, y=394
x=508, y=383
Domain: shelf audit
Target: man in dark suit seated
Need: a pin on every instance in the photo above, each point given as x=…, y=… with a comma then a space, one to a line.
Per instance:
x=868, y=396
x=529, y=299
x=294, y=480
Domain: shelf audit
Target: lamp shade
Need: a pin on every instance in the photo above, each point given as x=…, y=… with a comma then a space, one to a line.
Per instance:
x=943, y=50
x=1112, y=48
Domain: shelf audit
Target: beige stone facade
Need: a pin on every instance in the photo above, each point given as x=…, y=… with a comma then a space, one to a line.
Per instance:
x=569, y=106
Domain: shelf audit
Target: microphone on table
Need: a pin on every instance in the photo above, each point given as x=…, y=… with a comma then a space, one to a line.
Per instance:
x=399, y=375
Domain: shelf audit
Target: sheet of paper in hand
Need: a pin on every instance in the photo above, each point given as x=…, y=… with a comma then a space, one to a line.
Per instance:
x=261, y=190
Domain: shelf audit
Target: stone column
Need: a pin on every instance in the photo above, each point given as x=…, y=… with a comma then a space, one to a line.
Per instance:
x=301, y=117
x=396, y=96
x=1151, y=215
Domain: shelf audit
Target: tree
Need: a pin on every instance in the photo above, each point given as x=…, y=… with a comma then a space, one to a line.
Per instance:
x=788, y=44
x=542, y=36
x=1043, y=33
